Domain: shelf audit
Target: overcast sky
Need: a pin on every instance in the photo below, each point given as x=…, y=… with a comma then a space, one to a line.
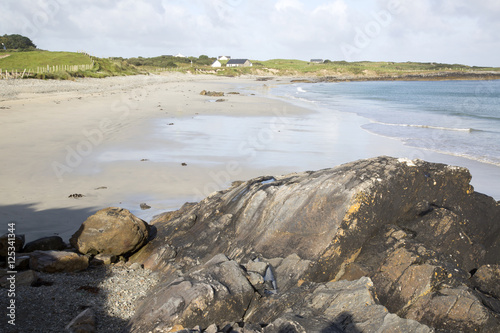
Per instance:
x=450, y=31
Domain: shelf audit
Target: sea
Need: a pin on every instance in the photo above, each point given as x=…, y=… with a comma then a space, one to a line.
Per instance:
x=454, y=118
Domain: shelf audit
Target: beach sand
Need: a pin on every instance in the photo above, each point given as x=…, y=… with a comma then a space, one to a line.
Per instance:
x=154, y=139
x=99, y=138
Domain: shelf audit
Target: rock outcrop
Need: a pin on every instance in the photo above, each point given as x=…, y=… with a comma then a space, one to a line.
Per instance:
x=111, y=231
x=416, y=229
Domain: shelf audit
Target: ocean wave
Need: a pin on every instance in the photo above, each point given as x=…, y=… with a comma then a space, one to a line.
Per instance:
x=441, y=128
x=492, y=160
x=300, y=89
x=302, y=99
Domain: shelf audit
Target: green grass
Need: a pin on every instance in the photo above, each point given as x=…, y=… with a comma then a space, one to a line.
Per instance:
x=31, y=60
x=298, y=67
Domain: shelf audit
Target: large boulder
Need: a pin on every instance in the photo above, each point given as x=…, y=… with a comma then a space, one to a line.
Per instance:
x=113, y=231
x=417, y=229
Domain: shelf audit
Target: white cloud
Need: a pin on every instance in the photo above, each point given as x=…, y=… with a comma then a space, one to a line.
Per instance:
x=448, y=30
x=283, y=5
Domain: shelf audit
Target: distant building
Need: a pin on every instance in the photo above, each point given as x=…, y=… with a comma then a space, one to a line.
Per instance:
x=239, y=63
x=224, y=58
x=178, y=55
x=216, y=63
x=317, y=61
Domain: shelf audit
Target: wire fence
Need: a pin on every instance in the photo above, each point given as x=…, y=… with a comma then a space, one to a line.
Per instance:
x=27, y=72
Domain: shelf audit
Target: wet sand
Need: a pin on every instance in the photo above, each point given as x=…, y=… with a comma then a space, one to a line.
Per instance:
x=156, y=140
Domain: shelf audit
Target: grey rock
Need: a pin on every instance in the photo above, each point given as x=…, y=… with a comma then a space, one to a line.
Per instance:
x=83, y=323
x=299, y=324
x=344, y=306
x=216, y=292
x=211, y=329
x=259, y=267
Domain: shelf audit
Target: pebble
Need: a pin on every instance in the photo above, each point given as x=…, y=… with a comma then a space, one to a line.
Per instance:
x=112, y=292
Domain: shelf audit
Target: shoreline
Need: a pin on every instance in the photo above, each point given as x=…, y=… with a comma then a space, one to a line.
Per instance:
x=123, y=141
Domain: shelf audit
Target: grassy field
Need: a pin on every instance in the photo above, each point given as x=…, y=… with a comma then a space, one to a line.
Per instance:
x=33, y=59
x=60, y=63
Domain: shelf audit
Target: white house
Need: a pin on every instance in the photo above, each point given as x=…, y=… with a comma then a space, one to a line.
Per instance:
x=178, y=55
x=216, y=63
x=224, y=58
x=239, y=63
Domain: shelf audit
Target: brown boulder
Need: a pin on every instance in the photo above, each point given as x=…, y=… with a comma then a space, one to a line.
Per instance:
x=58, y=261
x=113, y=231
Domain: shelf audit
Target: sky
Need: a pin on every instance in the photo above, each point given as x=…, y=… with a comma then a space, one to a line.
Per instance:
x=445, y=31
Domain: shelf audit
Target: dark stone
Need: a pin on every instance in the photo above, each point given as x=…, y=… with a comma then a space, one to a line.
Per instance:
x=144, y=206
x=50, y=243
x=6, y=243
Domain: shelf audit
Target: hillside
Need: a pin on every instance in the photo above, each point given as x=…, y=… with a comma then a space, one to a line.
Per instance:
x=61, y=65
x=329, y=70
x=66, y=65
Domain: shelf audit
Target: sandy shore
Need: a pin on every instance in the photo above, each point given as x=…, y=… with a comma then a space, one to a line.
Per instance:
x=100, y=138
x=125, y=141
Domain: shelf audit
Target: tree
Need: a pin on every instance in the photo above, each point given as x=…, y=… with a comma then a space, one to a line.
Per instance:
x=17, y=42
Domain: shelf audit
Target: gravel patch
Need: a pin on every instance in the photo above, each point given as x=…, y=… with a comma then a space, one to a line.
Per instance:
x=113, y=292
